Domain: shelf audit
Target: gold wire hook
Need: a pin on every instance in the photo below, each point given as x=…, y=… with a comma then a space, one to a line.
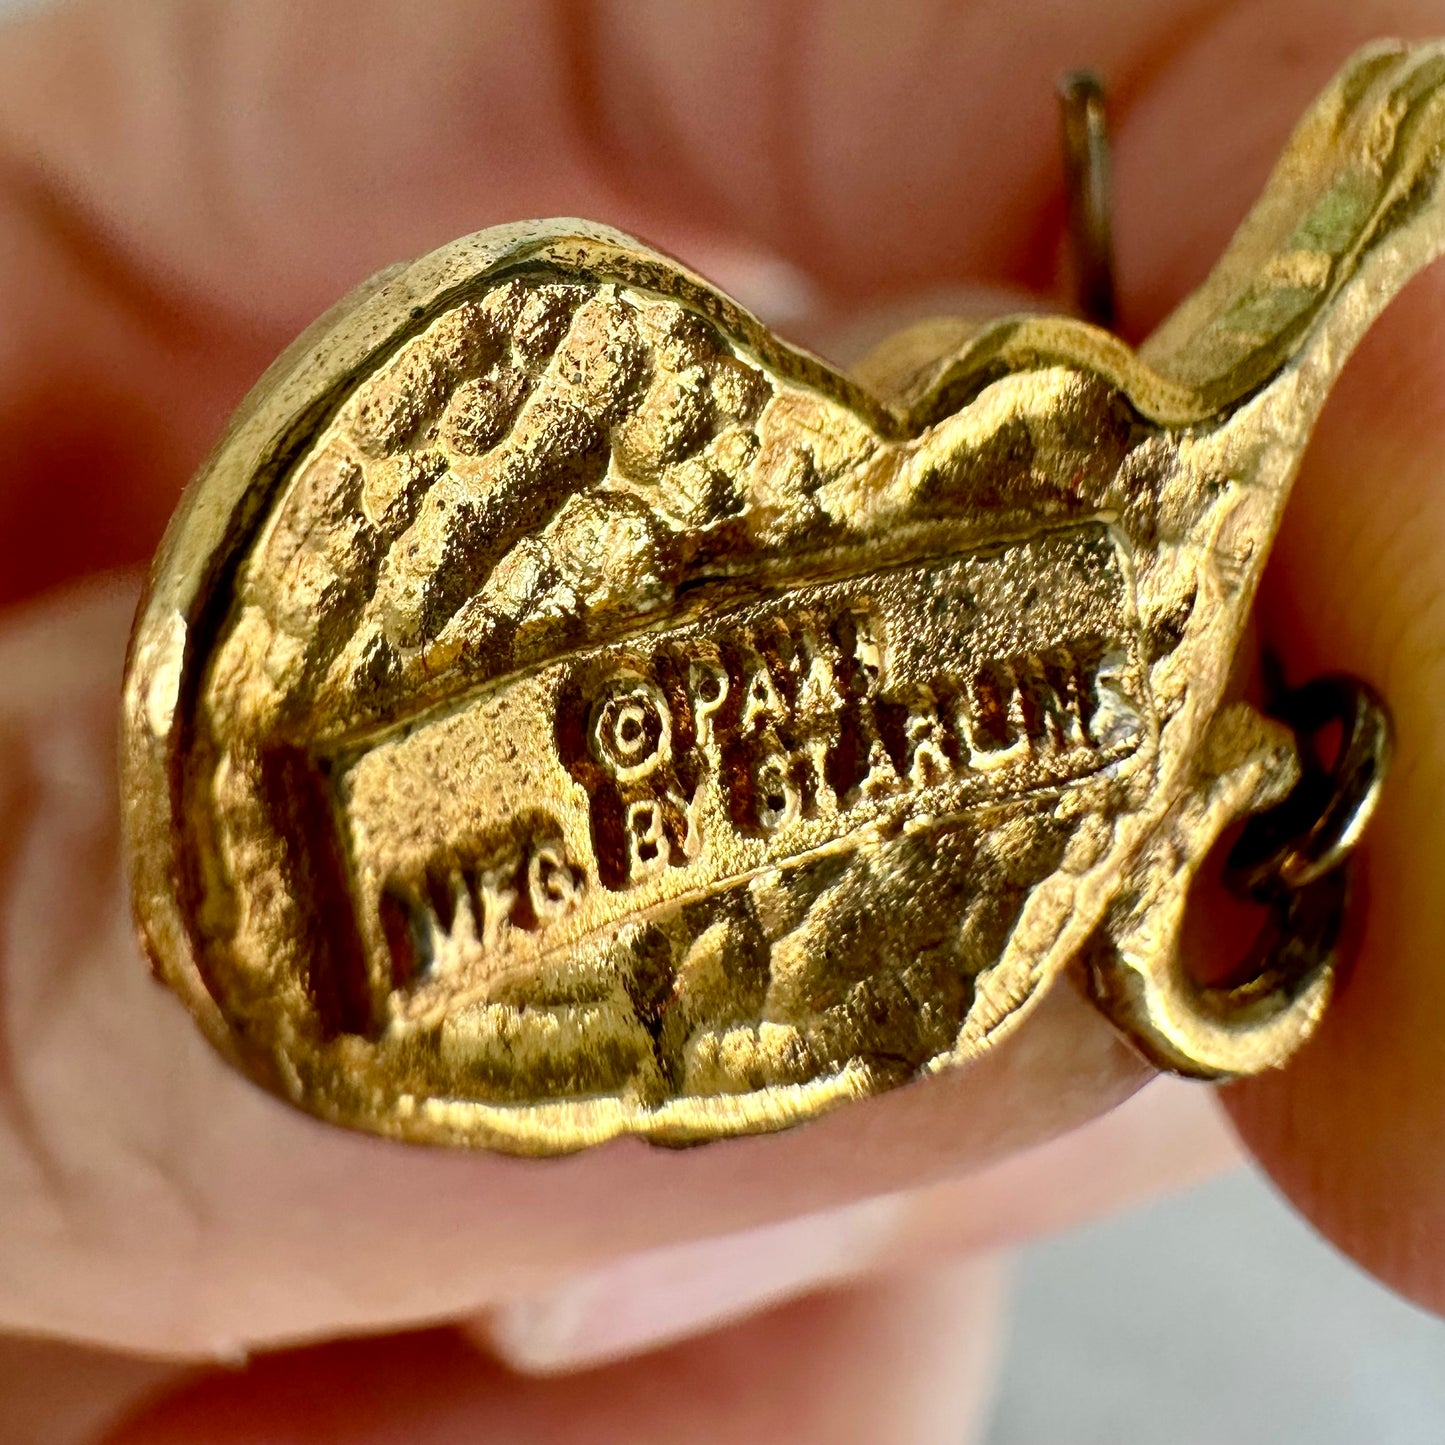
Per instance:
x=1088, y=183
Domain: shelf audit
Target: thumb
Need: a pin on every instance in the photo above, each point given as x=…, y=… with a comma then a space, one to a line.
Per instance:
x=158, y=1201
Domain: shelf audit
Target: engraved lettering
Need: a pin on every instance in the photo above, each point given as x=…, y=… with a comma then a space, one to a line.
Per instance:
x=797, y=716
x=778, y=800
x=449, y=947
x=648, y=846
x=707, y=692
x=835, y=738
x=762, y=703
x=928, y=761
x=816, y=751
x=465, y=912
x=498, y=896
x=631, y=729
x=551, y=886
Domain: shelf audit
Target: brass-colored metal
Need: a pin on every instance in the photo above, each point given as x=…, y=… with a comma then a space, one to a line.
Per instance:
x=1291, y=858
x=561, y=709
x=1088, y=187
x=1316, y=828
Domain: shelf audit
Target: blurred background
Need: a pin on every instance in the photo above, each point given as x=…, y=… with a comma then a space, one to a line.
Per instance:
x=1263, y=1335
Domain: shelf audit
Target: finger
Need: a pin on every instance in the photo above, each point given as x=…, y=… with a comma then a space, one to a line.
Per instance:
x=380, y=137
x=185, y=184
x=1168, y=1136
x=156, y=1200
x=165, y=229
x=1354, y=1129
x=56, y=1394
x=906, y=1361
x=177, y=1141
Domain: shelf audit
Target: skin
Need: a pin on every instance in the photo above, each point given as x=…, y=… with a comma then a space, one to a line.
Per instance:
x=183, y=186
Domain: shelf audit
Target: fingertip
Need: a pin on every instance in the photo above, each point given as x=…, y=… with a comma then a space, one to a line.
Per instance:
x=648, y=1300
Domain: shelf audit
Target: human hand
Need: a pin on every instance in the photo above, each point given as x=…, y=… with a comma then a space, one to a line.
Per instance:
x=184, y=186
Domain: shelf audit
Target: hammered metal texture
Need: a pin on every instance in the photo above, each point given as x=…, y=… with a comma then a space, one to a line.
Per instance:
x=561, y=709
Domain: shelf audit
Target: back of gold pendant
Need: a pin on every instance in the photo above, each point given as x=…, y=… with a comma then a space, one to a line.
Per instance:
x=561, y=709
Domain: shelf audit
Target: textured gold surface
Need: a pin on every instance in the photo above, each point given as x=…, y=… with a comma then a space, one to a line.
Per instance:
x=560, y=709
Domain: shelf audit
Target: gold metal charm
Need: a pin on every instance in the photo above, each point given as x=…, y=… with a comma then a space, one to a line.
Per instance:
x=561, y=709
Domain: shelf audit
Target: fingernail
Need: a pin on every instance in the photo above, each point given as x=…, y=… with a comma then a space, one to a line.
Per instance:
x=668, y=1294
